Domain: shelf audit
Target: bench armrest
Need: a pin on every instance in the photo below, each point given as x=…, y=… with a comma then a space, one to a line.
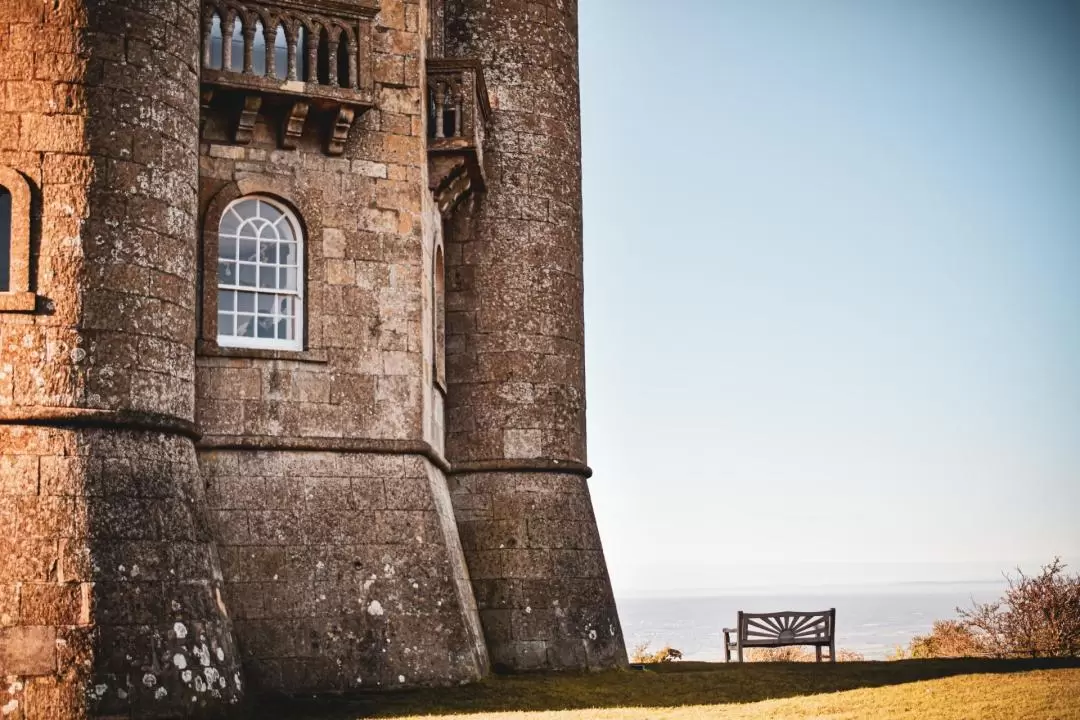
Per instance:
x=729, y=630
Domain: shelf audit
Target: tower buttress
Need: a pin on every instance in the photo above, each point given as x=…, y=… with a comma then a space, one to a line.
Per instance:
x=110, y=598
x=515, y=362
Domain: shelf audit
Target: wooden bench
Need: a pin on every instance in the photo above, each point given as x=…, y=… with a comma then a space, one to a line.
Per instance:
x=782, y=629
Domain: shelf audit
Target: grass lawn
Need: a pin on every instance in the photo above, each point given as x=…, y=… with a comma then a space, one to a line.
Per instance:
x=911, y=689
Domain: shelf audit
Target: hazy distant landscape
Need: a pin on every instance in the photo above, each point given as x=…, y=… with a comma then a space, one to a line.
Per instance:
x=871, y=619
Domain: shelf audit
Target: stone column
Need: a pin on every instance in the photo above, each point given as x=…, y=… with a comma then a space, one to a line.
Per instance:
x=516, y=373
x=110, y=598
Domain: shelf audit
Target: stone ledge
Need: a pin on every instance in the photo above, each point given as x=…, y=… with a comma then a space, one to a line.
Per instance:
x=542, y=465
x=18, y=302
x=324, y=444
x=95, y=418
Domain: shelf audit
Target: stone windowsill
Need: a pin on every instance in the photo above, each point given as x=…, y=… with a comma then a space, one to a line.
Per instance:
x=212, y=349
x=17, y=301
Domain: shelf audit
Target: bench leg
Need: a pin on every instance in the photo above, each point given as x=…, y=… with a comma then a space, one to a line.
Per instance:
x=727, y=648
x=832, y=650
x=740, y=652
x=818, y=651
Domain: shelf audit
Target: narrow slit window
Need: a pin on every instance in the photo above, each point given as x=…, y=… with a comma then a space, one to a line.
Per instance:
x=260, y=276
x=5, y=239
x=439, y=287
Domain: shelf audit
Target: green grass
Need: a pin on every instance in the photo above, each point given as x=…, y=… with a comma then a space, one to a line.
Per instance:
x=911, y=689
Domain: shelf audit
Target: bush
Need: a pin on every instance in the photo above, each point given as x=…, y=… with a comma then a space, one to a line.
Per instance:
x=947, y=639
x=640, y=655
x=797, y=654
x=1038, y=616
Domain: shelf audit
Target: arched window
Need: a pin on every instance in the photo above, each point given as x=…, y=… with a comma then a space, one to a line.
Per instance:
x=236, y=42
x=15, y=295
x=343, y=62
x=260, y=276
x=216, y=47
x=281, y=53
x=303, y=55
x=323, y=59
x=258, y=49
x=439, y=286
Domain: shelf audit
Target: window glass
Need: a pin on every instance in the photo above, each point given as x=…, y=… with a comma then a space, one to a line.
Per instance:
x=259, y=270
x=5, y=239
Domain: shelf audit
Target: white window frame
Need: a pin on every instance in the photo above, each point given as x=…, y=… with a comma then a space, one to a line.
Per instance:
x=257, y=343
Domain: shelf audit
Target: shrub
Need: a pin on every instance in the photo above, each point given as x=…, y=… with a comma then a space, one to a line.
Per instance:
x=641, y=655
x=797, y=654
x=1039, y=616
x=947, y=639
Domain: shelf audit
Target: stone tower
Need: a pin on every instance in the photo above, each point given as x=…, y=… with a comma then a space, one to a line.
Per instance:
x=110, y=586
x=291, y=361
x=516, y=362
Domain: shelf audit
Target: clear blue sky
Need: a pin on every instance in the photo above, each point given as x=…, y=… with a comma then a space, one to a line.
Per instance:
x=832, y=287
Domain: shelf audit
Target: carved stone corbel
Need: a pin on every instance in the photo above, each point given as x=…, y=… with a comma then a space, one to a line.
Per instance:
x=293, y=127
x=245, y=124
x=339, y=131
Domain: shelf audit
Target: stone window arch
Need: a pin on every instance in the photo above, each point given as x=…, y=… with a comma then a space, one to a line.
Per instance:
x=260, y=275
x=15, y=295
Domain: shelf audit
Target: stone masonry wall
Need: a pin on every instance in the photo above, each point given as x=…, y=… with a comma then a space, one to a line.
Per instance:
x=110, y=586
x=341, y=558
x=515, y=363
x=343, y=571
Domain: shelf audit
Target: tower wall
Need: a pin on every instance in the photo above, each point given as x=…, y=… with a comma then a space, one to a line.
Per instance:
x=323, y=466
x=515, y=351
x=110, y=588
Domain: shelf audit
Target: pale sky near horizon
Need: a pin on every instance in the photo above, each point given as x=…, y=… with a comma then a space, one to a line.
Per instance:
x=832, y=288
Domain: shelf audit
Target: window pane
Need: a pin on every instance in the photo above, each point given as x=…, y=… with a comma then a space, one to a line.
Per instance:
x=258, y=50
x=247, y=275
x=266, y=277
x=269, y=212
x=287, y=253
x=5, y=239
x=284, y=329
x=249, y=250
x=245, y=301
x=229, y=223
x=225, y=299
x=245, y=326
x=225, y=324
x=266, y=327
x=237, y=41
x=227, y=273
x=227, y=248
x=266, y=304
x=284, y=228
x=268, y=253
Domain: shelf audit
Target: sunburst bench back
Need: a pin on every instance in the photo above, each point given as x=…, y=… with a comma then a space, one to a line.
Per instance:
x=782, y=629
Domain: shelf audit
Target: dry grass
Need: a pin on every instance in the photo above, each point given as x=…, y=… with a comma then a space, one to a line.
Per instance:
x=909, y=690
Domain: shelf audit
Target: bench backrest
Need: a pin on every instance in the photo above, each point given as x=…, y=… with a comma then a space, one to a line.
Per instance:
x=786, y=628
